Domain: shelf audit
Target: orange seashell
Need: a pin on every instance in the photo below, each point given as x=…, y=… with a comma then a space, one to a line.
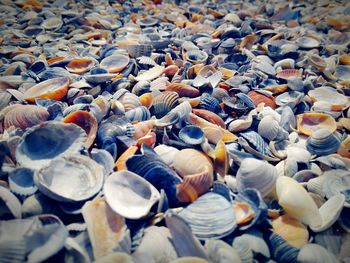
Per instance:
x=54, y=89
x=146, y=99
x=292, y=23
x=277, y=89
x=344, y=148
x=87, y=122
x=196, y=17
x=142, y=128
x=248, y=41
x=258, y=98
x=344, y=59
x=183, y=90
x=227, y=74
x=243, y=212
x=289, y=73
x=171, y=70
x=338, y=23
x=54, y=60
x=221, y=164
x=149, y=139
x=291, y=230
x=120, y=164
x=80, y=65
x=210, y=116
x=215, y=13
x=168, y=60
x=33, y=3
x=224, y=86
x=309, y=122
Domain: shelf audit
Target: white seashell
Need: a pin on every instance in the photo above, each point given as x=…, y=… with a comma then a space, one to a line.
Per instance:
x=270, y=129
x=129, y=195
x=297, y=202
x=11, y=202
x=150, y=74
x=315, y=253
x=219, y=251
x=166, y=153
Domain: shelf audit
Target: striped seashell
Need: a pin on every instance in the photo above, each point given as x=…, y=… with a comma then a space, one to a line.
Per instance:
x=210, y=103
x=210, y=116
x=150, y=74
x=139, y=50
x=146, y=61
x=80, y=65
x=289, y=73
x=164, y=103
x=138, y=114
x=183, y=90
x=130, y=101
x=115, y=63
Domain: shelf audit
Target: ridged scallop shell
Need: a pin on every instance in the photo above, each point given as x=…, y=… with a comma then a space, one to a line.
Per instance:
x=41, y=143
x=130, y=195
x=130, y=101
x=139, y=50
x=296, y=202
x=210, y=216
x=115, y=63
x=164, y=103
x=254, y=173
x=323, y=142
x=270, y=129
x=210, y=103
x=80, y=65
x=71, y=178
x=141, y=87
x=281, y=250
x=54, y=89
x=87, y=122
x=23, y=116
x=308, y=123
x=289, y=73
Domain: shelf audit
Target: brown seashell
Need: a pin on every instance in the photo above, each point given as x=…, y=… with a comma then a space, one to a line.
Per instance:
x=168, y=59
x=54, y=89
x=344, y=148
x=210, y=116
x=248, y=41
x=121, y=162
x=338, y=23
x=344, y=59
x=243, y=212
x=171, y=70
x=258, y=98
x=80, y=65
x=54, y=60
x=87, y=122
x=289, y=73
x=291, y=230
x=309, y=122
x=183, y=90
x=146, y=99
x=23, y=116
x=227, y=73
x=277, y=89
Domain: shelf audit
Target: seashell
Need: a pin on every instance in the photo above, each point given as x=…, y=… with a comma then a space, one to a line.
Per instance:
x=256, y=174
x=150, y=74
x=149, y=166
x=270, y=129
x=221, y=161
x=243, y=212
x=183, y=90
x=141, y=87
x=289, y=73
x=138, y=114
x=327, y=94
x=210, y=216
x=116, y=257
x=105, y=227
x=307, y=42
x=146, y=100
x=12, y=204
x=196, y=169
x=189, y=260
x=315, y=253
x=254, y=240
x=21, y=181
x=290, y=99
x=55, y=89
x=52, y=23
x=210, y=117
x=80, y=65
x=344, y=148
x=296, y=202
x=130, y=101
x=209, y=103
x=114, y=63
x=139, y=50
x=23, y=116
x=164, y=103
x=192, y=135
x=219, y=251
x=196, y=56
x=156, y=243
x=308, y=123
x=342, y=72
x=142, y=128
x=46, y=141
x=288, y=120
x=281, y=250
x=185, y=243
x=87, y=122
x=258, y=98
x=285, y=63
x=254, y=143
x=130, y=195
x=265, y=68
x=86, y=178
x=317, y=62
x=291, y=230
x=323, y=142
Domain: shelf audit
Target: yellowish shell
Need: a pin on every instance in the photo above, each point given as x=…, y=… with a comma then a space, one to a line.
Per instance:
x=309, y=122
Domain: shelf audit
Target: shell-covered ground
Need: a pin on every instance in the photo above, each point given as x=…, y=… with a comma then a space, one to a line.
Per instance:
x=174, y=131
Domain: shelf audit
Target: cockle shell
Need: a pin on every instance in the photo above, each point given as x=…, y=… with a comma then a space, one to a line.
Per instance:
x=192, y=135
x=71, y=178
x=150, y=74
x=258, y=98
x=323, y=142
x=129, y=194
x=41, y=143
x=105, y=227
x=55, y=89
x=308, y=123
x=271, y=130
x=296, y=202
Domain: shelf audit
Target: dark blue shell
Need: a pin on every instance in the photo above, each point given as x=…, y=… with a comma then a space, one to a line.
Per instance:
x=281, y=250
x=210, y=103
x=256, y=141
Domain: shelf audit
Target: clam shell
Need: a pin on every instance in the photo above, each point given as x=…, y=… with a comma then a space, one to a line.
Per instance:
x=52, y=23
x=210, y=216
x=183, y=90
x=296, y=202
x=257, y=174
x=114, y=63
x=291, y=99
x=210, y=117
x=307, y=42
x=315, y=253
x=85, y=178
x=192, y=135
x=80, y=65
x=130, y=195
x=87, y=122
x=196, y=56
x=140, y=113
x=344, y=148
x=219, y=251
x=258, y=98
x=323, y=142
x=163, y=103
x=271, y=130
x=308, y=123
x=55, y=88
x=41, y=143
x=327, y=94
x=21, y=181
